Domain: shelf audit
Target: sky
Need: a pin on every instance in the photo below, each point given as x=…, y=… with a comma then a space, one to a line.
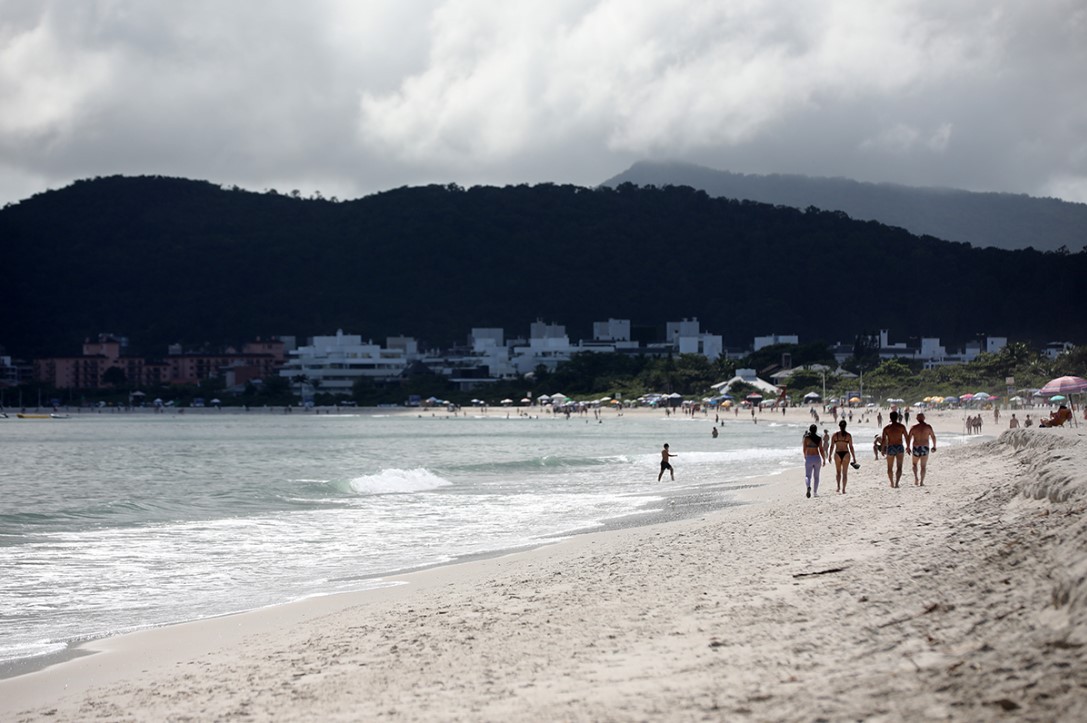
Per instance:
x=351, y=97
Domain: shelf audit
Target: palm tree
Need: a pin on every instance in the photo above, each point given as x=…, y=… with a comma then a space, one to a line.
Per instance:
x=300, y=380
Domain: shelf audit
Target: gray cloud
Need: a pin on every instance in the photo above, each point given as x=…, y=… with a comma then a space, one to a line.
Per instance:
x=351, y=98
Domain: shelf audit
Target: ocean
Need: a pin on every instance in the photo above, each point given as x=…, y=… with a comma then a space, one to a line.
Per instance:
x=113, y=522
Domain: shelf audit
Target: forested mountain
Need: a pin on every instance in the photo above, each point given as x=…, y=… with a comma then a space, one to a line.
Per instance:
x=1000, y=220
x=164, y=260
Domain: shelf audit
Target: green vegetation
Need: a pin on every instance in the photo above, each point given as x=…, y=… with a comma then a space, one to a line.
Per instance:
x=163, y=260
x=592, y=376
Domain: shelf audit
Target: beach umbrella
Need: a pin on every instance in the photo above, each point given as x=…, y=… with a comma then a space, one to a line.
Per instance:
x=812, y=396
x=981, y=395
x=526, y=400
x=966, y=396
x=506, y=401
x=1064, y=385
x=1058, y=398
x=854, y=400
x=754, y=395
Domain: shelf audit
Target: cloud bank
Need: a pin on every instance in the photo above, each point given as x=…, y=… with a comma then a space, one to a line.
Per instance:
x=351, y=98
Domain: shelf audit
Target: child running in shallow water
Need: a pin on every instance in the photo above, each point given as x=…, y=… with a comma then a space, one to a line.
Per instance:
x=665, y=464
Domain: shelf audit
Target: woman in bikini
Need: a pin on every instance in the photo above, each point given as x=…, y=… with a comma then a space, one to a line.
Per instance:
x=814, y=458
x=842, y=444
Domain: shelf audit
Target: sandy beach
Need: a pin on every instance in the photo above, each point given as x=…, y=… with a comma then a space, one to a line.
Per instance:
x=964, y=599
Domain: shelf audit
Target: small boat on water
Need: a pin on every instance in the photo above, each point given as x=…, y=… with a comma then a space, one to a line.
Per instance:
x=32, y=416
x=59, y=416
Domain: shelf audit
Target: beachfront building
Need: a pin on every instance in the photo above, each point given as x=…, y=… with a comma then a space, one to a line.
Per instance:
x=1055, y=348
x=91, y=370
x=616, y=330
x=257, y=360
x=611, y=336
x=548, y=345
x=334, y=363
x=772, y=339
x=10, y=372
x=686, y=337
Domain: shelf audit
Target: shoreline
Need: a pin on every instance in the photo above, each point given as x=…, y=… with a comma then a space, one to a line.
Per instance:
x=959, y=599
x=674, y=507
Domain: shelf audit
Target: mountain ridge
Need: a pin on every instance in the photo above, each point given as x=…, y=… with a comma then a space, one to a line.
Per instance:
x=982, y=219
x=166, y=260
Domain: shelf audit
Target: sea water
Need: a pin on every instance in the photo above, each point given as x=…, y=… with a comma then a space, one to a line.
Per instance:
x=115, y=522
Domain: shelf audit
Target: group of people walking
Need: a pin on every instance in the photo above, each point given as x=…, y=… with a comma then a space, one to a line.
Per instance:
x=894, y=443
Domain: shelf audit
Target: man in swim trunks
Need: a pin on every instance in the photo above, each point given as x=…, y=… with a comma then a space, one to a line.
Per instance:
x=922, y=440
x=842, y=444
x=665, y=465
x=894, y=448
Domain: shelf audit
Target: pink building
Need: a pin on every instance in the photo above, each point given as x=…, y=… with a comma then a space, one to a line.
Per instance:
x=257, y=360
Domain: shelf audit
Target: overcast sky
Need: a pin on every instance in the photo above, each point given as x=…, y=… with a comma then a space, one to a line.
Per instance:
x=350, y=97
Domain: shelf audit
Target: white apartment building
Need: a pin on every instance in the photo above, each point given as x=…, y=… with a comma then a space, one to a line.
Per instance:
x=548, y=344
x=611, y=330
x=687, y=338
x=334, y=363
x=772, y=339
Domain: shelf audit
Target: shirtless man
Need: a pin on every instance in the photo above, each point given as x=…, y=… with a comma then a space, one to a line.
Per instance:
x=665, y=465
x=894, y=448
x=842, y=447
x=922, y=440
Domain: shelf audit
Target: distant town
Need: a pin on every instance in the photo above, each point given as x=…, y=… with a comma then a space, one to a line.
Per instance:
x=335, y=363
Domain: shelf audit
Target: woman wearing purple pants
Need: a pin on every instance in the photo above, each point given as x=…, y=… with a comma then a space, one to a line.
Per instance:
x=814, y=459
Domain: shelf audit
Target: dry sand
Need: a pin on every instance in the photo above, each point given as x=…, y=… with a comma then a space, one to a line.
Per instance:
x=965, y=599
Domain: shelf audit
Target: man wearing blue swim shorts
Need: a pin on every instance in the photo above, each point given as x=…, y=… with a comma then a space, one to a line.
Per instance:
x=894, y=448
x=922, y=439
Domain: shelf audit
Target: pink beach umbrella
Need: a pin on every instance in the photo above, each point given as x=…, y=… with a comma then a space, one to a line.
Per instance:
x=1064, y=385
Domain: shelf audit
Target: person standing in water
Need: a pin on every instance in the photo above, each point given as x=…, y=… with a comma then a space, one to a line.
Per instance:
x=665, y=464
x=842, y=442
x=814, y=459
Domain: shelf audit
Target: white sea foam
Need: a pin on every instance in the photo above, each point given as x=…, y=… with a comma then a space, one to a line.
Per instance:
x=236, y=516
x=398, y=481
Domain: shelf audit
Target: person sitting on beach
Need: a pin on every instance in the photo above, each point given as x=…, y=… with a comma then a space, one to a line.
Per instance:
x=877, y=446
x=814, y=453
x=894, y=448
x=666, y=465
x=922, y=439
x=1058, y=418
x=842, y=441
